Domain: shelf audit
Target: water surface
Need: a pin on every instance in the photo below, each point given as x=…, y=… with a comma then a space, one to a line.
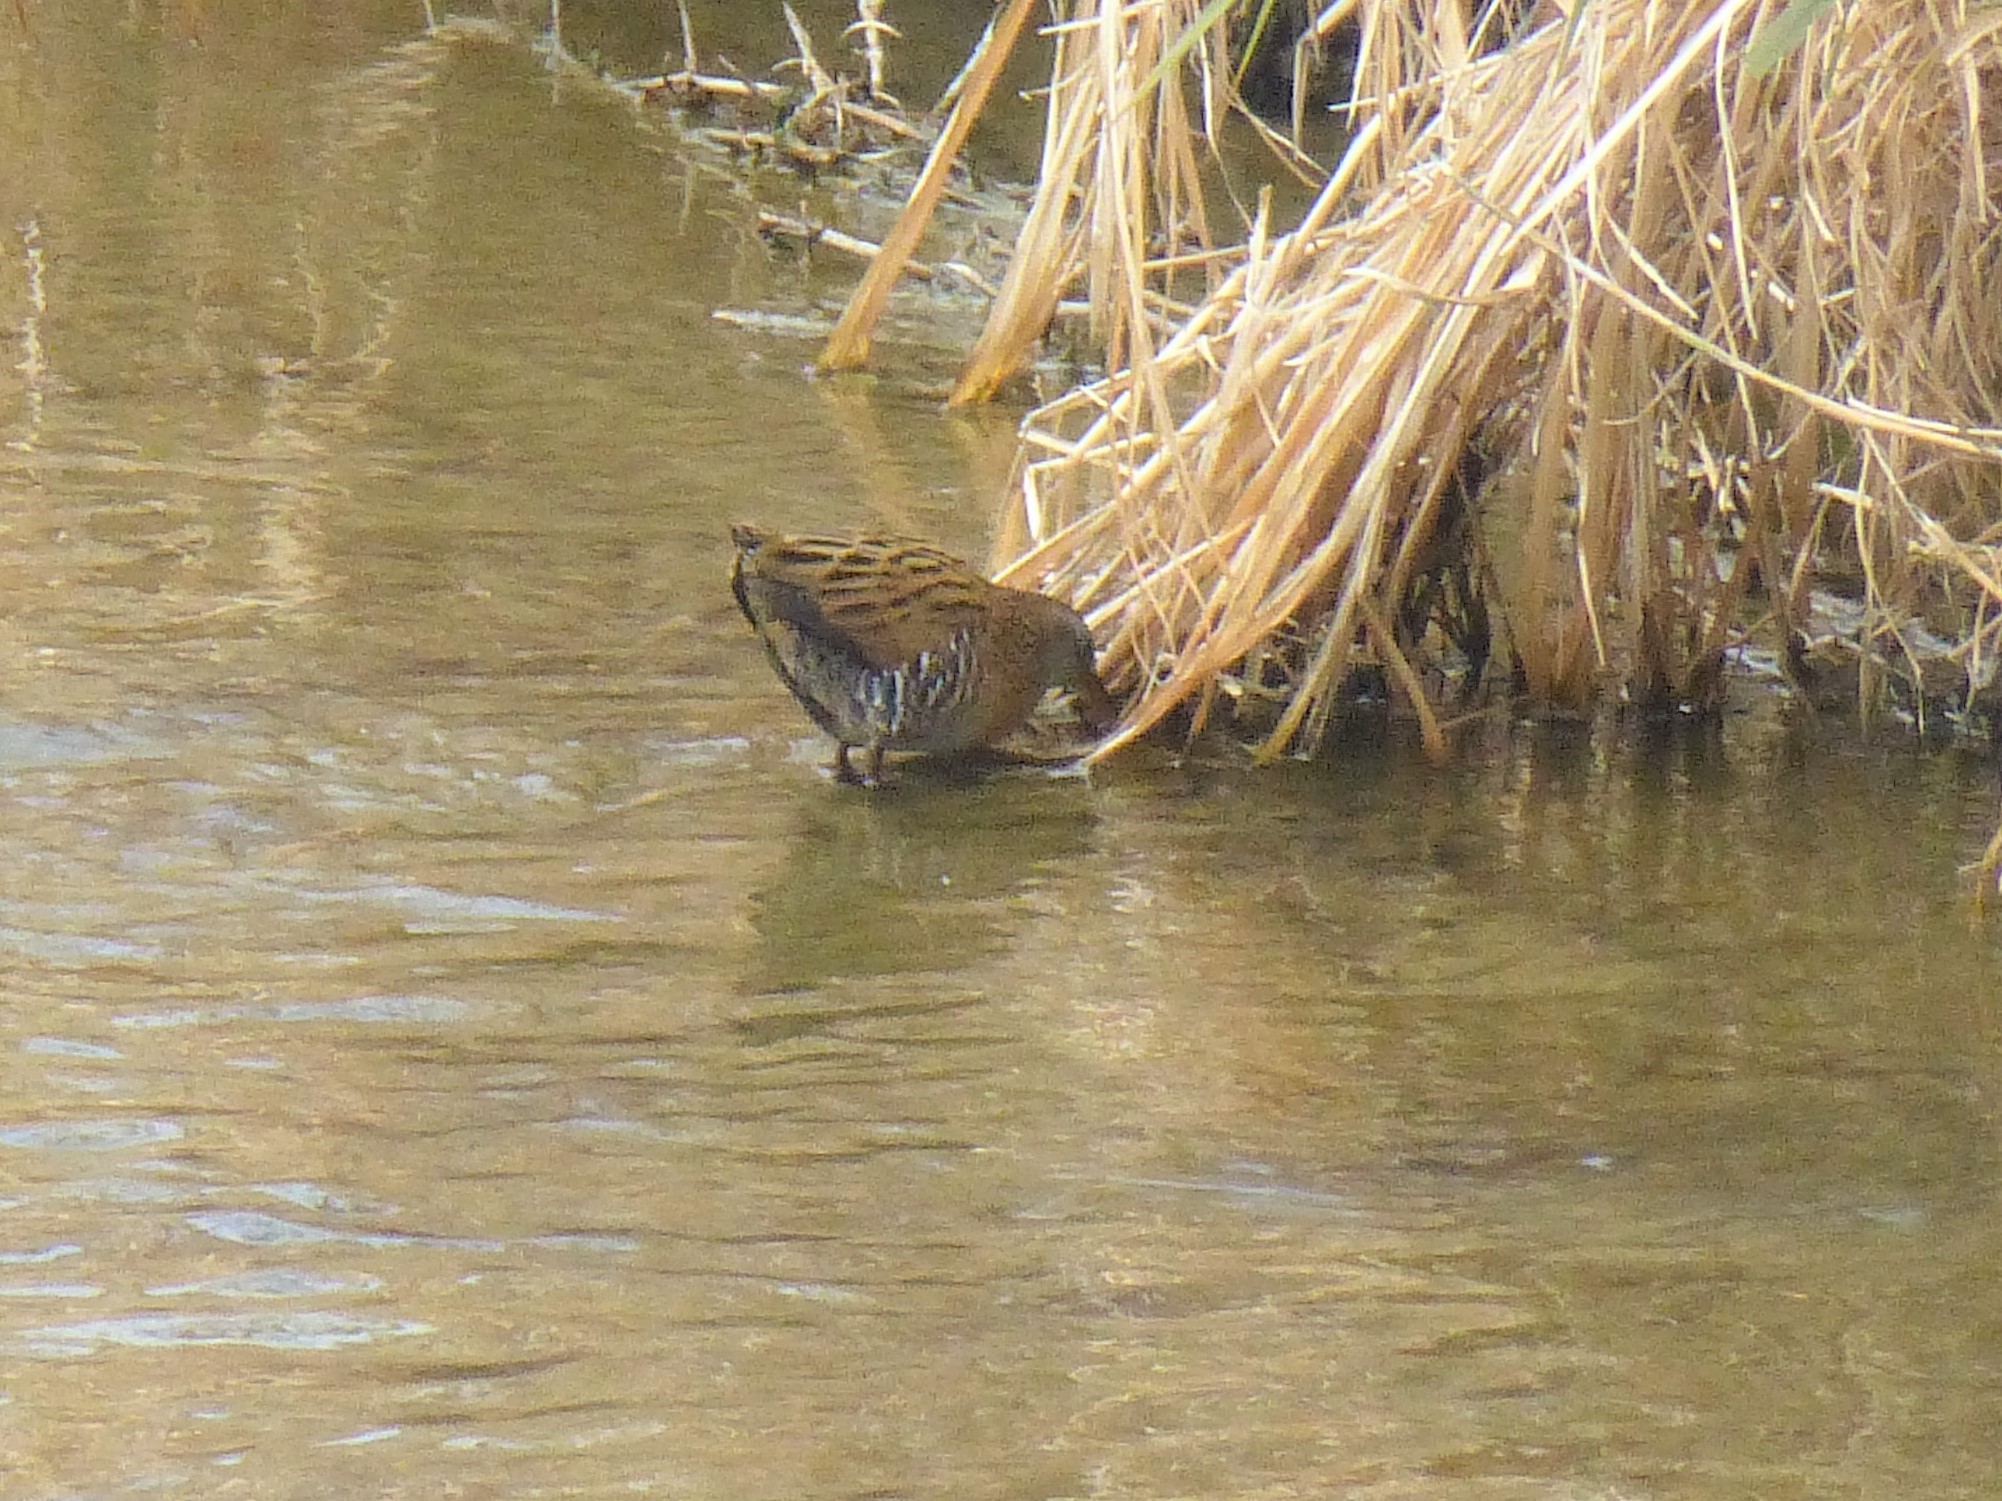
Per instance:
x=456, y=1040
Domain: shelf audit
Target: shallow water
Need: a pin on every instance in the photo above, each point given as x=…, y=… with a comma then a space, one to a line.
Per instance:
x=457, y=1042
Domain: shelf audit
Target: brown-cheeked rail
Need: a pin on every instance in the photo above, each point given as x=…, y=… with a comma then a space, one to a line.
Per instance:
x=893, y=645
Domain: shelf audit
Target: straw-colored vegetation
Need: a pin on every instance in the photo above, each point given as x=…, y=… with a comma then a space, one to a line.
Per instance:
x=1592, y=334
x=1622, y=337
x=1625, y=336
x=1600, y=339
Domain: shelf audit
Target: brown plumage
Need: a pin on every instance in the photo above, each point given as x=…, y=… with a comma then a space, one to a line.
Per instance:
x=892, y=645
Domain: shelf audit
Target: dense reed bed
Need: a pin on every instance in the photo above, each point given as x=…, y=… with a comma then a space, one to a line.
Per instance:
x=1619, y=332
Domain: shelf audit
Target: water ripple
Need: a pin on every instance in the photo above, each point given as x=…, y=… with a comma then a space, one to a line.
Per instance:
x=435, y=905
x=120, y=1191
x=271, y=1282
x=89, y=1136
x=24, y=746
x=73, y=948
x=361, y=1008
x=47, y=1253
x=284, y=1331
x=709, y=752
x=250, y=1227
x=246, y=1227
x=367, y=1436
x=67, y=1047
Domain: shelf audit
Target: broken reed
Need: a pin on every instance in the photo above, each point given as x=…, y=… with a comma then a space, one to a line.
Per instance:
x=1698, y=327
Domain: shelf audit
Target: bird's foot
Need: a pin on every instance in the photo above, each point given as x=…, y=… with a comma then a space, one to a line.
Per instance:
x=846, y=774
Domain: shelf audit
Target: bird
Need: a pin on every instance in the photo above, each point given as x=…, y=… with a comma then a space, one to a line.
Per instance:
x=890, y=644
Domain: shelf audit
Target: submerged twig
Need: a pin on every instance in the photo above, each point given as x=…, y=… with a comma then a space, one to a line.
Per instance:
x=872, y=28
x=787, y=227
x=688, y=62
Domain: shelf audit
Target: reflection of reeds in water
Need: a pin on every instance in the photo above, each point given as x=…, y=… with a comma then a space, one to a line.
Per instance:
x=1694, y=328
x=294, y=260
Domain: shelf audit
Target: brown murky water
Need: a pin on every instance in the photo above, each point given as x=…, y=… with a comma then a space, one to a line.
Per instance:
x=456, y=1043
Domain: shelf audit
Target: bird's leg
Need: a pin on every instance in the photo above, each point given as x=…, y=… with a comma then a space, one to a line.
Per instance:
x=844, y=770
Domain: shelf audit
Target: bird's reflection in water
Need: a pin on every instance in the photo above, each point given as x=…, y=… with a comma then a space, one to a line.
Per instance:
x=913, y=878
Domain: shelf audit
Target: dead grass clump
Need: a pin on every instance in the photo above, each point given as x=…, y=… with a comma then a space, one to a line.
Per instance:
x=817, y=120
x=1671, y=343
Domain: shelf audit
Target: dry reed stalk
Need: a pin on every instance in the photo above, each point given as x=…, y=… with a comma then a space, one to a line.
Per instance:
x=1701, y=327
x=848, y=346
x=1118, y=169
